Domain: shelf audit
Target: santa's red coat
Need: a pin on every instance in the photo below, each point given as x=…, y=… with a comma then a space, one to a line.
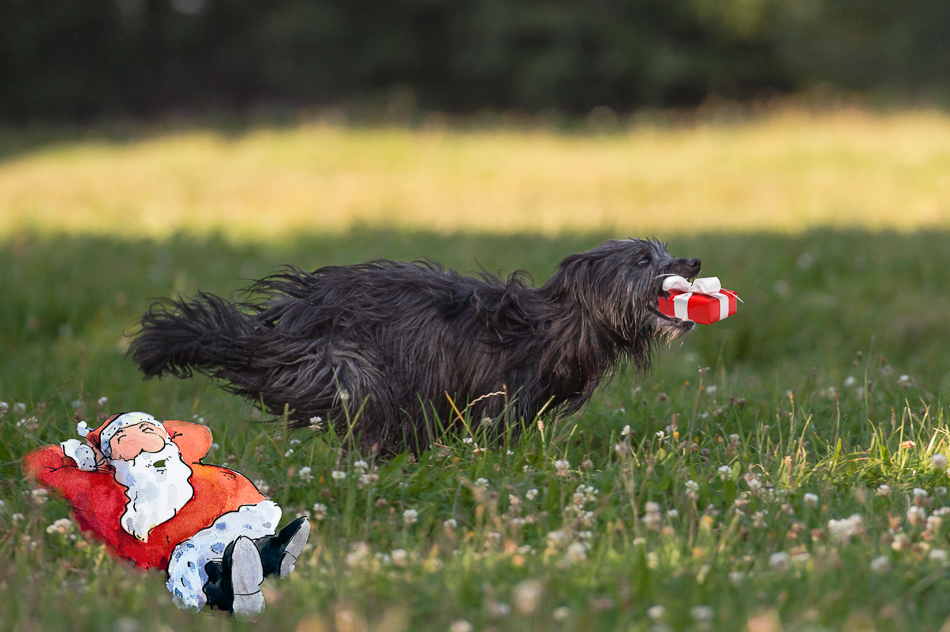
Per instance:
x=99, y=501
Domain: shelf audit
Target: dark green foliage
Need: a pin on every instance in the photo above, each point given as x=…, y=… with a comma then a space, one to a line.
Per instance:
x=64, y=59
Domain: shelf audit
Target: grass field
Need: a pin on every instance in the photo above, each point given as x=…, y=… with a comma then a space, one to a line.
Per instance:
x=730, y=504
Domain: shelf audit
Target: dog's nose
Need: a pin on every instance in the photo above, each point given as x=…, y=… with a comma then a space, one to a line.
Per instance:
x=686, y=267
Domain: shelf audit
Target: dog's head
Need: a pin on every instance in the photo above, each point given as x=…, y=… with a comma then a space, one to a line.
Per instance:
x=619, y=283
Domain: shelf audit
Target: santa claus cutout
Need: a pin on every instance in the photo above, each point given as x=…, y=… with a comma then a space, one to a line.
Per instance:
x=138, y=486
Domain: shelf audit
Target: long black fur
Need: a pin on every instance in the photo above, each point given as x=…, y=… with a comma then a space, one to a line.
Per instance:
x=394, y=341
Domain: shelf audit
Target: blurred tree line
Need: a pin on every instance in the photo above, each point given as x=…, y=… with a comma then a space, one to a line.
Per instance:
x=76, y=59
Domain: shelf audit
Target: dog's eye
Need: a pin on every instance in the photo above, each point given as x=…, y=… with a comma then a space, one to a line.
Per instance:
x=644, y=261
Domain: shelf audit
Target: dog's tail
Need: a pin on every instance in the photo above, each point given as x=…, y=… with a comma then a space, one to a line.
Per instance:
x=206, y=334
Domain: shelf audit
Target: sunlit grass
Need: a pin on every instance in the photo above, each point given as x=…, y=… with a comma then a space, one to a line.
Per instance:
x=787, y=172
x=830, y=382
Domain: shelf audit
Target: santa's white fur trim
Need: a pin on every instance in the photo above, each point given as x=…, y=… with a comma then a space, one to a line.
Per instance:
x=123, y=420
x=186, y=570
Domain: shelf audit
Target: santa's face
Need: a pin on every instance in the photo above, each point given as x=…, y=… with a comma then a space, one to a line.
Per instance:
x=130, y=441
x=156, y=482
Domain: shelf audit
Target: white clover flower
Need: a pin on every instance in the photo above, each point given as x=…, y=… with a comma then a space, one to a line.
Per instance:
x=410, y=516
x=900, y=541
x=295, y=441
x=338, y=475
x=531, y=494
x=510, y=453
x=305, y=473
x=17, y=517
x=590, y=493
x=849, y=381
x=883, y=490
x=289, y=453
x=880, y=564
x=811, y=500
x=4, y=408
x=736, y=577
x=625, y=431
x=754, y=484
x=561, y=614
x=933, y=523
x=917, y=516
x=711, y=389
x=725, y=472
x=779, y=561
x=102, y=401
x=656, y=612
x=842, y=530
x=563, y=467
x=576, y=552
x=62, y=526
x=400, y=557
x=920, y=493
x=368, y=478
x=40, y=496
x=316, y=423
x=904, y=381
x=620, y=448
x=527, y=595
x=939, y=462
x=672, y=513
x=661, y=435
x=460, y=625
x=468, y=440
x=702, y=613
x=556, y=538
x=481, y=483
x=19, y=407
x=450, y=524
x=692, y=486
x=938, y=555
x=319, y=511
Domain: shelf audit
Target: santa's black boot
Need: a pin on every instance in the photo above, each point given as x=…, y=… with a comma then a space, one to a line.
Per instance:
x=247, y=573
x=218, y=587
x=280, y=552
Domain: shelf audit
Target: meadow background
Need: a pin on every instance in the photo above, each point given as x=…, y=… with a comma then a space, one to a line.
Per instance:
x=779, y=470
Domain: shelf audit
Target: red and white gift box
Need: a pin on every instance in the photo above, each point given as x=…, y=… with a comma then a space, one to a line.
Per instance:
x=702, y=301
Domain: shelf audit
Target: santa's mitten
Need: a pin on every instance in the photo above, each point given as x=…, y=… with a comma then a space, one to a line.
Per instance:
x=81, y=453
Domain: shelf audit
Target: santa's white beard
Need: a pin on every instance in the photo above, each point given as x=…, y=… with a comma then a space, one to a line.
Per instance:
x=155, y=493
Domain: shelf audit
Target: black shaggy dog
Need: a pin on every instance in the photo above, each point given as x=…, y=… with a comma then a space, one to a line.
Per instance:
x=403, y=348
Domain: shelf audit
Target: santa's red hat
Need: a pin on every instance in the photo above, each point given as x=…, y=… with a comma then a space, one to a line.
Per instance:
x=100, y=437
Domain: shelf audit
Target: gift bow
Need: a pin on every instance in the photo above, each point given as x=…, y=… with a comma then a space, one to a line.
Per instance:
x=709, y=286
